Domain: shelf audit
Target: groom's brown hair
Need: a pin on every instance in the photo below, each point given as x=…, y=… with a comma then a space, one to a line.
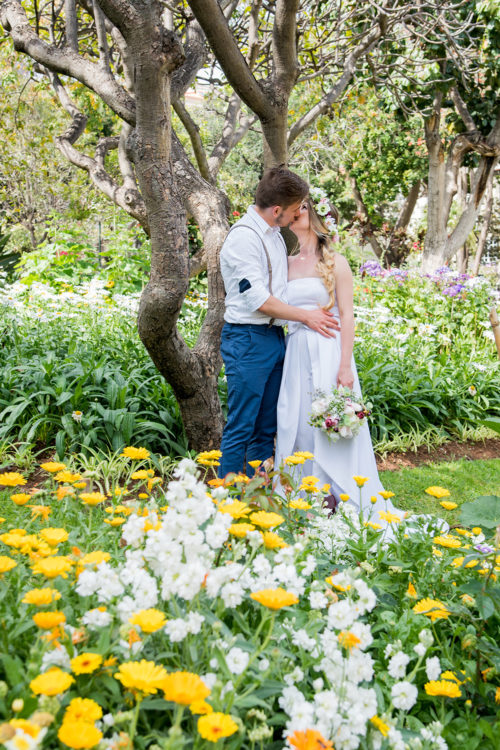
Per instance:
x=280, y=187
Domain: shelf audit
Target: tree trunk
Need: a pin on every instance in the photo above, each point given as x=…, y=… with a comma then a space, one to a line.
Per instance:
x=483, y=234
x=434, y=254
x=397, y=248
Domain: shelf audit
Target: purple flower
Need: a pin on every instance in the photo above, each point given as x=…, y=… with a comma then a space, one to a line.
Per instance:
x=485, y=549
x=371, y=268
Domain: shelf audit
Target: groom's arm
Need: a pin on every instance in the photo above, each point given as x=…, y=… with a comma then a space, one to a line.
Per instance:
x=318, y=320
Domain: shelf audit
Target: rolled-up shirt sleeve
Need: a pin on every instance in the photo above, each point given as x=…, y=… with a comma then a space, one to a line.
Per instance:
x=244, y=268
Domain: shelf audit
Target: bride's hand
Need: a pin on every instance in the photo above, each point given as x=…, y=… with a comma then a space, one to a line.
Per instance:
x=345, y=377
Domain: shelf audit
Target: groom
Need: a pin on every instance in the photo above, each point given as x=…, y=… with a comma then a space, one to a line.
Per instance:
x=254, y=268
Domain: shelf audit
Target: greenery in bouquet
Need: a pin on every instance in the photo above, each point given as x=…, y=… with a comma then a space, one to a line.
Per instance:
x=339, y=414
x=206, y=612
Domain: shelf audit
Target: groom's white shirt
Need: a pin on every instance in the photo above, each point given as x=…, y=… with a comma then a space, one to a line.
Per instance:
x=245, y=269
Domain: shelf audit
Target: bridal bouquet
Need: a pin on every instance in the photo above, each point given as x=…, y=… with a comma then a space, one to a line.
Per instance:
x=341, y=413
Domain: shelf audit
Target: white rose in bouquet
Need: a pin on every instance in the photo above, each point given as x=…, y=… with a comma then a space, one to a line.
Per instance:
x=319, y=406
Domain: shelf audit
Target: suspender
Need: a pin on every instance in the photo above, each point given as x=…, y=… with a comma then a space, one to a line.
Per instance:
x=269, y=266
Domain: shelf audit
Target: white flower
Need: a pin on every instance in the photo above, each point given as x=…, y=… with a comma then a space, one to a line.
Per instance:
x=194, y=622
x=176, y=629
x=56, y=657
x=404, y=695
x=237, y=660
x=341, y=615
x=297, y=675
x=96, y=618
x=232, y=594
x=420, y=649
x=433, y=668
x=263, y=665
x=317, y=600
x=318, y=684
x=210, y=678
x=425, y=636
x=302, y=640
x=397, y=665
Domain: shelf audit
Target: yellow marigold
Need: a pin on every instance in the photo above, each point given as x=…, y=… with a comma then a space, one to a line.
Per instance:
x=216, y=725
x=331, y=582
x=477, y=530
x=54, y=536
x=372, y=525
x=236, y=479
x=141, y=474
x=360, y=481
x=386, y=494
x=63, y=492
x=344, y=497
x=52, y=682
x=348, y=640
x=272, y=540
x=67, y=476
x=437, y=492
x=255, y=464
x=79, y=734
x=135, y=453
x=40, y=510
x=274, y=598
x=149, y=620
x=92, y=498
x=6, y=563
x=217, y=482
x=457, y=562
x=53, y=466
x=241, y=529
x=382, y=727
x=304, y=454
x=497, y=696
x=184, y=688
x=294, y=460
x=200, y=708
x=447, y=540
x=49, y=620
x=448, y=675
x=83, y=709
x=117, y=521
x=41, y=597
x=299, y=504
x=145, y=676
x=448, y=505
x=444, y=688
x=80, y=485
x=86, y=663
x=389, y=517
x=266, y=520
x=411, y=591
x=309, y=739
x=13, y=538
x=12, y=479
x=236, y=509
x=94, y=558
x=432, y=608
x=20, y=498
x=51, y=567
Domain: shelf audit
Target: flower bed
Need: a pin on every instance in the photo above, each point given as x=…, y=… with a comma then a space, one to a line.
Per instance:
x=138, y=615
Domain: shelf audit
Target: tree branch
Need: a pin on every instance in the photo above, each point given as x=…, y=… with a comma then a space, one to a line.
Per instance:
x=193, y=131
x=284, y=47
x=462, y=110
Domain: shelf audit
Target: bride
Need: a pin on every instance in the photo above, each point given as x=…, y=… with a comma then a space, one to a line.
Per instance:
x=319, y=276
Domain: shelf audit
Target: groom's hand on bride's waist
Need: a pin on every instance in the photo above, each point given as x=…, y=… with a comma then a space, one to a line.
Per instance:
x=322, y=321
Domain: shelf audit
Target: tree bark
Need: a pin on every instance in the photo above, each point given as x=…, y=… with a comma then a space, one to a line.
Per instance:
x=483, y=234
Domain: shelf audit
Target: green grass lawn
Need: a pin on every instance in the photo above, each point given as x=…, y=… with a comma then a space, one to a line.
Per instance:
x=464, y=479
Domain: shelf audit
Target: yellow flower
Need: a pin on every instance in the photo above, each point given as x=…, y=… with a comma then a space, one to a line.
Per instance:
x=21, y=498
x=299, y=504
x=266, y=520
x=444, y=688
x=389, y=517
x=294, y=460
x=304, y=454
x=41, y=597
x=50, y=567
x=27, y=727
x=79, y=734
x=53, y=466
x=67, y=476
x=52, y=682
x=447, y=540
x=236, y=509
x=344, y=497
x=432, y=608
x=86, y=663
x=94, y=558
x=254, y=464
x=274, y=598
x=386, y=494
x=373, y=499
x=348, y=640
x=450, y=676
x=331, y=582
x=448, y=505
x=497, y=696
x=209, y=458
x=184, y=688
x=326, y=488
x=310, y=739
x=49, y=620
x=309, y=482
x=80, y=485
x=241, y=529
x=149, y=620
x=145, y=676
x=54, y=536
x=411, y=591
x=272, y=540
x=11, y=479
x=141, y=474
x=63, y=492
x=382, y=727
x=372, y=525
x=6, y=563
x=40, y=510
x=360, y=481
x=200, y=708
x=92, y=498
x=437, y=492
x=216, y=725
x=83, y=709
x=143, y=495
x=135, y=453
x=477, y=530
x=13, y=538
x=114, y=521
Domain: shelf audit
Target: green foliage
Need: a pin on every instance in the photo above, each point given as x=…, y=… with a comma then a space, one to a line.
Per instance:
x=484, y=511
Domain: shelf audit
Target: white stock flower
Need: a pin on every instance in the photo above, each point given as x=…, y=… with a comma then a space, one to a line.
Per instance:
x=56, y=657
x=397, y=665
x=237, y=660
x=176, y=629
x=341, y=615
x=296, y=675
x=404, y=695
x=232, y=594
x=96, y=618
x=432, y=668
x=317, y=600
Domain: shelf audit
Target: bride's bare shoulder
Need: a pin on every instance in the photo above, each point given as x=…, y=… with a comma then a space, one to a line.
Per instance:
x=341, y=265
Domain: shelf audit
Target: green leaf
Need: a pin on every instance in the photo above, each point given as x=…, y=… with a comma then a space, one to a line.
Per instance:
x=483, y=511
x=493, y=423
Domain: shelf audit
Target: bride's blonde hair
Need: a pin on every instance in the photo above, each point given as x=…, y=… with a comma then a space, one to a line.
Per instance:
x=326, y=263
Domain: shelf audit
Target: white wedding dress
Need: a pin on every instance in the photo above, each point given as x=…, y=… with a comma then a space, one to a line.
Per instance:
x=312, y=362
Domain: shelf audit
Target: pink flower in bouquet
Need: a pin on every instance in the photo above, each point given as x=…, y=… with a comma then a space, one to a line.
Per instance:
x=329, y=423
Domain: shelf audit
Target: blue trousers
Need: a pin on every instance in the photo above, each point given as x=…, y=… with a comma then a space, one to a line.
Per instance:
x=253, y=357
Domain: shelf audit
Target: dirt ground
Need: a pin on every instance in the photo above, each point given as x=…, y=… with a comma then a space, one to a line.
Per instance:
x=451, y=451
